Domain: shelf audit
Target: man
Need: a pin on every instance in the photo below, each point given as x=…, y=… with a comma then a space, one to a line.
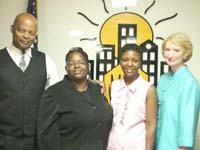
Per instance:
x=24, y=75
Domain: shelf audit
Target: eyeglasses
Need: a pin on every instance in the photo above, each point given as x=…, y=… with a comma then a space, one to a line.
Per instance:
x=73, y=63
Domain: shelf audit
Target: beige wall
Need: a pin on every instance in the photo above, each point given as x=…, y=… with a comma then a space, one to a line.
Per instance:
x=8, y=11
x=58, y=17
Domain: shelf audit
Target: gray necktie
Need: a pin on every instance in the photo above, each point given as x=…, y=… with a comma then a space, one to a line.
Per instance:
x=22, y=63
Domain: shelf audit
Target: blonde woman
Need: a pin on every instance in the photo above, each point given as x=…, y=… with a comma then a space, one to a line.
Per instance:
x=179, y=97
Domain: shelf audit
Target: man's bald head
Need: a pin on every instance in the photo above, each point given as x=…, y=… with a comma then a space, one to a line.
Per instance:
x=25, y=16
x=24, y=30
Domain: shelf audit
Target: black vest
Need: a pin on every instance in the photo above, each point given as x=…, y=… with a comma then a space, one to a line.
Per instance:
x=20, y=94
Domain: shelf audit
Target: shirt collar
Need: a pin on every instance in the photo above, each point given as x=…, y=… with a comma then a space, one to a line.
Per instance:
x=17, y=52
x=178, y=72
x=132, y=87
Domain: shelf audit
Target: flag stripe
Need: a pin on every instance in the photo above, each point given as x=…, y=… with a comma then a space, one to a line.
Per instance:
x=32, y=9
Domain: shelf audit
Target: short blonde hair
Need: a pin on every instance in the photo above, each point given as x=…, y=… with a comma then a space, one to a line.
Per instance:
x=182, y=40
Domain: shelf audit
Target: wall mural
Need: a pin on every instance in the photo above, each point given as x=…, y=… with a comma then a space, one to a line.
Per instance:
x=116, y=31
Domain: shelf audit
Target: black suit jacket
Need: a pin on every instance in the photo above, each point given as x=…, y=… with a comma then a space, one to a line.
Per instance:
x=72, y=120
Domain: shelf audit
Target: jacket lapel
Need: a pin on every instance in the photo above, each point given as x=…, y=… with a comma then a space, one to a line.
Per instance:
x=80, y=96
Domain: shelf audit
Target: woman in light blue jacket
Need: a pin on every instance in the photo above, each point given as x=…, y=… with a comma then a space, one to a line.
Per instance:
x=179, y=97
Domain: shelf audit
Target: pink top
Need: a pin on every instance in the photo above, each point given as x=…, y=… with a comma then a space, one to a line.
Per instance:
x=129, y=115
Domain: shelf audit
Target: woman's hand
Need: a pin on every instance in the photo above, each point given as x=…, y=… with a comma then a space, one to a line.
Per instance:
x=182, y=148
x=102, y=85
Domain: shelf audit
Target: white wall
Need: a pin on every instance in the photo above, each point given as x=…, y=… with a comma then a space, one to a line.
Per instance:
x=8, y=11
x=58, y=17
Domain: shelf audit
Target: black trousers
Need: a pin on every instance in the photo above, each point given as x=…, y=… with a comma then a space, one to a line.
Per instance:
x=19, y=143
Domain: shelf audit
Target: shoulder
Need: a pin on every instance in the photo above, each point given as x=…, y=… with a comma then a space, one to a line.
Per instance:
x=190, y=76
x=143, y=84
x=152, y=89
x=54, y=92
x=164, y=78
x=49, y=61
x=40, y=53
x=94, y=86
x=50, y=64
x=188, y=79
x=116, y=82
x=55, y=87
x=165, y=75
x=191, y=81
x=2, y=50
x=142, y=80
x=36, y=53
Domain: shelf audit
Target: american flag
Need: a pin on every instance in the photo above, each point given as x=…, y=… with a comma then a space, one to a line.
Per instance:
x=32, y=9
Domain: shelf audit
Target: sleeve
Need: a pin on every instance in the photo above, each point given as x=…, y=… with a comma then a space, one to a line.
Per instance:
x=188, y=113
x=47, y=123
x=52, y=74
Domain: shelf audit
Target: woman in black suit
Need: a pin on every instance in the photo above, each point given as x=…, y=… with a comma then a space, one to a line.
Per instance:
x=73, y=114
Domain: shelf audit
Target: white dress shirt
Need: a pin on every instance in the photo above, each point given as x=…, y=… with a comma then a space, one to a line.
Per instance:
x=52, y=74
